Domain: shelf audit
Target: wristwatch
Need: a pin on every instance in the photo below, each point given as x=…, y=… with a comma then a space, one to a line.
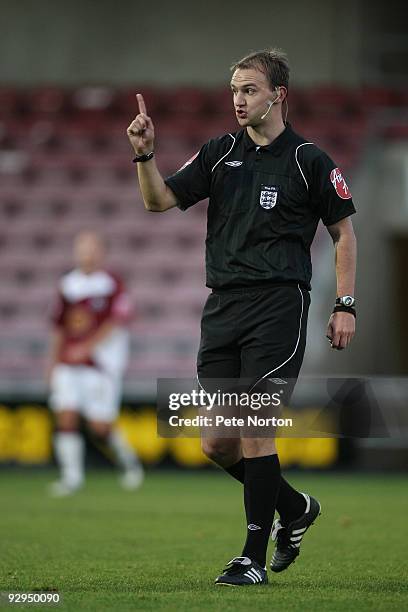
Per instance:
x=346, y=300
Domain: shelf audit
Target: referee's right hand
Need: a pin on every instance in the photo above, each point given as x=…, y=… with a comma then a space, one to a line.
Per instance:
x=141, y=130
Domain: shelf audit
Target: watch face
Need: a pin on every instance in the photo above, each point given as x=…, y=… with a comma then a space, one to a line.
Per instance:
x=348, y=300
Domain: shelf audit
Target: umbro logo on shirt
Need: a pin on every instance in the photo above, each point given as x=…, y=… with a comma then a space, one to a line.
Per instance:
x=253, y=527
x=234, y=164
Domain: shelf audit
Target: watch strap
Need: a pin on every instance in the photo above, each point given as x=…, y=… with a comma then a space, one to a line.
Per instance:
x=349, y=309
x=143, y=158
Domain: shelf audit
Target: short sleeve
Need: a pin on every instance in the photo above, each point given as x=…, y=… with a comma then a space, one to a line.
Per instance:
x=329, y=190
x=191, y=183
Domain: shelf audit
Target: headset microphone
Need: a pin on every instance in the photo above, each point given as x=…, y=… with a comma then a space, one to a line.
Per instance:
x=270, y=103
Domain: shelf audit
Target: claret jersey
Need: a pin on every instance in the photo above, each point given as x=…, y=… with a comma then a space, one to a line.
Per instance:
x=83, y=304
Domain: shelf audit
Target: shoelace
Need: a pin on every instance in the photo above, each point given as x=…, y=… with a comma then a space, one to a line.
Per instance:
x=235, y=565
x=276, y=527
x=280, y=535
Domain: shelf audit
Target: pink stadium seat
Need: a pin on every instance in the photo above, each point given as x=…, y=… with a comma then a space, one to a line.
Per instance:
x=126, y=103
x=26, y=327
x=91, y=101
x=10, y=101
x=329, y=101
x=45, y=101
x=401, y=97
x=187, y=101
x=220, y=101
x=162, y=366
x=372, y=97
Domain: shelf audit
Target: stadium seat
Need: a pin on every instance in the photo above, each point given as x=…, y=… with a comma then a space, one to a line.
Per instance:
x=125, y=102
x=187, y=101
x=10, y=102
x=45, y=101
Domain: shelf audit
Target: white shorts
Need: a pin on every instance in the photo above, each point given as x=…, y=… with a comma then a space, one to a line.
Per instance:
x=86, y=390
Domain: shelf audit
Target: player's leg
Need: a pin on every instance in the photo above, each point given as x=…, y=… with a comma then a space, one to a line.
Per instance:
x=275, y=349
x=102, y=403
x=219, y=360
x=124, y=456
x=290, y=504
x=219, y=365
x=261, y=483
x=68, y=441
x=225, y=452
x=269, y=321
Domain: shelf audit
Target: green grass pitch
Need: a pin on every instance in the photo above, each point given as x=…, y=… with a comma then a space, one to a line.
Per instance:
x=160, y=548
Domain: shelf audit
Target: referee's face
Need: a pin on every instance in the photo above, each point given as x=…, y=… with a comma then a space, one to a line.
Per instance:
x=251, y=93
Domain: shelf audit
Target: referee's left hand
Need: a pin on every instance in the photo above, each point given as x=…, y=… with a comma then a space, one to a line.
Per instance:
x=341, y=329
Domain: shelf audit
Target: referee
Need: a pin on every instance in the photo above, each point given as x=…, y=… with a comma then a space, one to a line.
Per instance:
x=268, y=188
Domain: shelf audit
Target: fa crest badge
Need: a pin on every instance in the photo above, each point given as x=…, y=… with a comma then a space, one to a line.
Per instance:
x=268, y=197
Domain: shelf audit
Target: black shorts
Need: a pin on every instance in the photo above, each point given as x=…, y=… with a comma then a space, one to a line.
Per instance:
x=254, y=333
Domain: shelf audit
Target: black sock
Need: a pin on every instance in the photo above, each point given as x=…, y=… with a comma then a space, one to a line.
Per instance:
x=290, y=503
x=237, y=470
x=261, y=487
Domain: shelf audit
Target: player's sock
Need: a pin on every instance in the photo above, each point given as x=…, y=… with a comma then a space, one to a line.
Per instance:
x=261, y=486
x=69, y=453
x=127, y=459
x=237, y=470
x=124, y=454
x=290, y=503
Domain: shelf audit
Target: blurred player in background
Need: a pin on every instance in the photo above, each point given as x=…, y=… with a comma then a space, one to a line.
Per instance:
x=88, y=356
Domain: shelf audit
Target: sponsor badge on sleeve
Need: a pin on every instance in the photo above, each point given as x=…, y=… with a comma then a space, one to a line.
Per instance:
x=340, y=184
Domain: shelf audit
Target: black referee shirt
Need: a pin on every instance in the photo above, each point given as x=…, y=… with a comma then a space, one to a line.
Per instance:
x=264, y=208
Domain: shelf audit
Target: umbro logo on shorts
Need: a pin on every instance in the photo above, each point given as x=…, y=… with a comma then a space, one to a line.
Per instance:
x=277, y=381
x=234, y=164
x=253, y=527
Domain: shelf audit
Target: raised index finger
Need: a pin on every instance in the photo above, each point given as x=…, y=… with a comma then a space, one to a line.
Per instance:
x=142, y=105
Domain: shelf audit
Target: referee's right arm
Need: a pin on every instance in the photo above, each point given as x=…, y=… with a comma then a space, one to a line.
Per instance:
x=157, y=196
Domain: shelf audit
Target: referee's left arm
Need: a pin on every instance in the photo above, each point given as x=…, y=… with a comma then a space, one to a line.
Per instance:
x=345, y=245
x=333, y=203
x=341, y=327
